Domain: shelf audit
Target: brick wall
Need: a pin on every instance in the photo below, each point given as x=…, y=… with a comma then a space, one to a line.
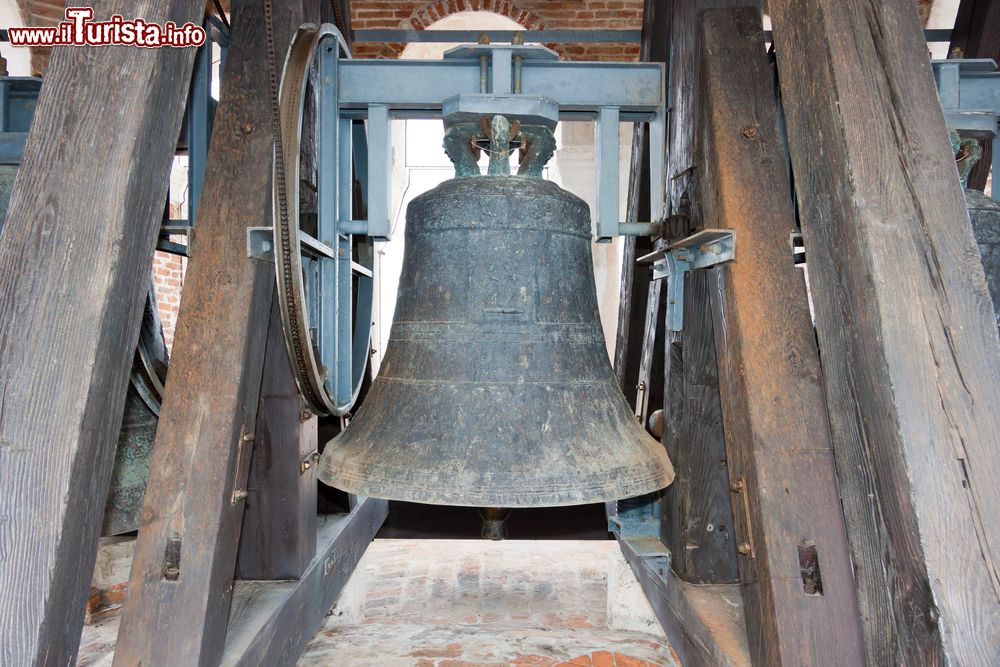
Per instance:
x=532, y=14
x=168, y=277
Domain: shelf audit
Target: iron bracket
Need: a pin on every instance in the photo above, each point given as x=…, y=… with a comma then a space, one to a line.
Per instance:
x=703, y=250
x=969, y=92
x=635, y=522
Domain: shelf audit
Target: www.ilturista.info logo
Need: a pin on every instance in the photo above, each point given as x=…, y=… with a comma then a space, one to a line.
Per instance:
x=79, y=30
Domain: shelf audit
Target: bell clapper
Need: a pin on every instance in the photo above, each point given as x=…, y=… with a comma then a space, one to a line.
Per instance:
x=494, y=522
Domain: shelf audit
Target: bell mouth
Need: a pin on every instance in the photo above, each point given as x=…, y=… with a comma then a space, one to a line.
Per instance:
x=556, y=456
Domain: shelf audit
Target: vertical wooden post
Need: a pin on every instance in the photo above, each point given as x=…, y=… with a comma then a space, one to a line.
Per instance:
x=698, y=521
x=74, y=269
x=698, y=501
x=278, y=537
x=795, y=563
x=182, y=576
x=911, y=355
x=635, y=285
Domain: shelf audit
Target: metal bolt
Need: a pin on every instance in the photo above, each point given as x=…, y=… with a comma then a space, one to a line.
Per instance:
x=737, y=486
x=305, y=415
x=750, y=131
x=329, y=565
x=248, y=437
x=240, y=494
x=246, y=127
x=743, y=549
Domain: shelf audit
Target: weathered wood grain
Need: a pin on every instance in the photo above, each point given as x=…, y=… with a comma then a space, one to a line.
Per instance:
x=698, y=520
x=704, y=624
x=785, y=496
x=178, y=596
x=911, y=355
x=636, y=278
x=77, y=248
x=278, y=537
x=977, y=35
x=685, y=100
x=649, y=392
x=271, y=622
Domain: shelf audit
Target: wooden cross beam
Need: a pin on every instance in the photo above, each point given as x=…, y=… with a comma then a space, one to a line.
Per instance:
x=182, y=576
x=74, y=269
x=911, y=355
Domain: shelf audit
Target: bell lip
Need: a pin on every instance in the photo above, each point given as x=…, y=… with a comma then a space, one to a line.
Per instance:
x=540, y=496
x=497, y=501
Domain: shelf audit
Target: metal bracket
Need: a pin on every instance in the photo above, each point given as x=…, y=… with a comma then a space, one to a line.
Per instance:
x=705, y=249
x=260, y=246
x=969, y=92
x=636, y=523
x=308, y=462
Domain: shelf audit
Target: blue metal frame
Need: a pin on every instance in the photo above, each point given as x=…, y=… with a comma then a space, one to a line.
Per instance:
x=517, y=78
x=705, y=249
x=969, y=91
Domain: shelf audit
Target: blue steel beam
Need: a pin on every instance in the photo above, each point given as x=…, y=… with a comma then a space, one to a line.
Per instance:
x=577, y=86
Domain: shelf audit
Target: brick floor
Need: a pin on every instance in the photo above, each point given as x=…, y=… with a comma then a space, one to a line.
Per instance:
x=468, y=603
x=452, y=603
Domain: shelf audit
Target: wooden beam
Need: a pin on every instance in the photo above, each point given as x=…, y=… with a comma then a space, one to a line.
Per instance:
x=795, y=563
x=635, y=277
x=278, y=537
x=698, y=520
x=977, y=35
x=178, y=600
x=272, y=621
x=704, y=623
x=649, y=392
x=911, y=355
x=74, y=269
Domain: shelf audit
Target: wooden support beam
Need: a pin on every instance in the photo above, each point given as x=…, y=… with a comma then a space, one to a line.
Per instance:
x=795, y=562
x=74, y=269
x=977, y=35
x=272, y=621
x=911, y=355
x=635, y=278
x=649, y=392
x=278, y=537
x=703, y=623
x=178, y=598
x=698, y=520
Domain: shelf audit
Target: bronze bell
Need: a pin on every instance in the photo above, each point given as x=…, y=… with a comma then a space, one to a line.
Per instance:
x=496, y=389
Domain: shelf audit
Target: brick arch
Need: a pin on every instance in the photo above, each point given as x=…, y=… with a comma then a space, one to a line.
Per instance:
x=422, y=17
x=429, y=13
